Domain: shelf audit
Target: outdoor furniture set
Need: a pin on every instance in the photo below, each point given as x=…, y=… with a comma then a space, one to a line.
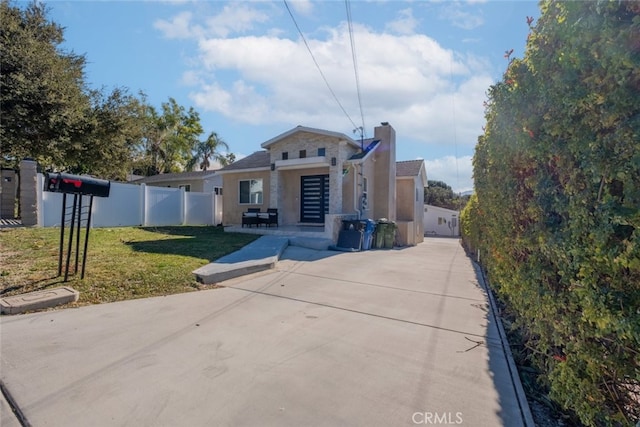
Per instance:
x=253, y=216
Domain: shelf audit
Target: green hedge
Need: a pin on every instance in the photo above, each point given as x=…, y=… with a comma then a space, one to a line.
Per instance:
x=557, y=213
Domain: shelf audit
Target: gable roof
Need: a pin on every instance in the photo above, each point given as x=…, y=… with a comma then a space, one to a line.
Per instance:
x=411, y=168
x=257, y=160
x=181, y=176
x=299, y=128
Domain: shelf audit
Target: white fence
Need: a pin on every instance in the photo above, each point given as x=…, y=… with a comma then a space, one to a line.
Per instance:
x=134, y=205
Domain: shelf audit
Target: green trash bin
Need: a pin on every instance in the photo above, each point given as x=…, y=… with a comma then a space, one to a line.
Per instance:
x=390, y=235
x=381, y=229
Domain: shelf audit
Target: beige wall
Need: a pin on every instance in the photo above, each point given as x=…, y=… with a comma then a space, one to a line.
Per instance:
x=410, y=207
x=385, y=174
x=232, y=213
x=406, y=199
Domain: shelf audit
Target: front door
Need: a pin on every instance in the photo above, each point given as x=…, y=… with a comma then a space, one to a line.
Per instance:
x=314, y=198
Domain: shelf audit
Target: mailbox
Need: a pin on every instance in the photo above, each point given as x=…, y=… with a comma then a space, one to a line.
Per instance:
x=75, y=184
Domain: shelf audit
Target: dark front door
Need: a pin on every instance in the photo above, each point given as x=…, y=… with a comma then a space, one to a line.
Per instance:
x=314, y=198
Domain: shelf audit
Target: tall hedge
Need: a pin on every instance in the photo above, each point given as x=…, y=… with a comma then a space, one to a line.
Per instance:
x=557, y=215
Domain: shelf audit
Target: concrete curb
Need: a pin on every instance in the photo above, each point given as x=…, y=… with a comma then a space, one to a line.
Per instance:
x=523, y=403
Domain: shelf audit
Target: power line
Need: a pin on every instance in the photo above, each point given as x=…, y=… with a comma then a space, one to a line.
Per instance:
x=317, y=65
x=355, y=63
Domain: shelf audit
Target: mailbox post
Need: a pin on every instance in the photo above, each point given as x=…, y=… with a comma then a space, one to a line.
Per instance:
x=79, y=186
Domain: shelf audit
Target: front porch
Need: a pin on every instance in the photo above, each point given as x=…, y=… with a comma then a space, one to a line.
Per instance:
x=283, y=230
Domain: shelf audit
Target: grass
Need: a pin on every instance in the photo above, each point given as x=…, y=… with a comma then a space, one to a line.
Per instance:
x=122, y=263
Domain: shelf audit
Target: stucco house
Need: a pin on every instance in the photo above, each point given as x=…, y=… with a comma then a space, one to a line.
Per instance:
x=200, y=181
x=316, y=177
x=441, y=221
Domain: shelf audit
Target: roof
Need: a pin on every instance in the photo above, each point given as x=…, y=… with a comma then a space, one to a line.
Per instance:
x=298, y=129
x=257, y=160
x=411, y=168
x=181, y=176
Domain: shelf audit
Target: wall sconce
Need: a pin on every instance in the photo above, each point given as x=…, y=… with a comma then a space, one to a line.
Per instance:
x=333, y=161
x=273, y=166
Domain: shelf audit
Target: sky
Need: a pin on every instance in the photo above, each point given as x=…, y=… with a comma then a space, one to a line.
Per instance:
x=423, y=66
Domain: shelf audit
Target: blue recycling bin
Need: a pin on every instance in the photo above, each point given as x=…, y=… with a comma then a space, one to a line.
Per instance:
x=367, y=238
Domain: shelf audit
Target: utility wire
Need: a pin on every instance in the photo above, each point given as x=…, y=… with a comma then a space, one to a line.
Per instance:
x=317, y=65
x=355, y=64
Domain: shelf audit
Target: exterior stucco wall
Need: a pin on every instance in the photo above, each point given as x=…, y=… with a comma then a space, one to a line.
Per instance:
x=285, y=184
x=384, y=174
x=232, y=213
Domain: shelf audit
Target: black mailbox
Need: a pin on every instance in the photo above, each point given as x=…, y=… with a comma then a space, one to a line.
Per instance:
x=75, y=184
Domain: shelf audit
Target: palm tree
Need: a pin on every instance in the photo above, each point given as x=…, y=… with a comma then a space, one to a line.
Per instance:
x=209, y=150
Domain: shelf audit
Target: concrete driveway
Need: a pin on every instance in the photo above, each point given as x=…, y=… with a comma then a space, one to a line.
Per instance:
x=377, y=338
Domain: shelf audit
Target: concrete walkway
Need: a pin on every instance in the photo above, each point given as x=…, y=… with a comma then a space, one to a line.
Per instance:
x=376, y=338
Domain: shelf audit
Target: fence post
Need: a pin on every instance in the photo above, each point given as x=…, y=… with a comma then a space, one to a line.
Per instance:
x=143, y=204
x=183, y=206
x=29, y=192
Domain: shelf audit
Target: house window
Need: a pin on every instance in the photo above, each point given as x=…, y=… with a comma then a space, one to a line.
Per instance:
x=285, y=155
x=251, y=192
x=441, y=220
x=186, y=187
x=217, y=191
x=303, y=154
x=322, y=152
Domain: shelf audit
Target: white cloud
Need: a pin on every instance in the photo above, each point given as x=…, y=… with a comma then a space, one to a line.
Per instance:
x=303, y=7
x=235, y=18
x=407, y=80
x=456, y=172
x=179, y=27
x=405, y=23
x=461, y=16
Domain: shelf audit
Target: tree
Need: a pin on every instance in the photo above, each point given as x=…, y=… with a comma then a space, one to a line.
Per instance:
x=115, y=131
x=208, y=150
x=42, y=98
x=168, y=139
x=557, y=216
x=440, y=194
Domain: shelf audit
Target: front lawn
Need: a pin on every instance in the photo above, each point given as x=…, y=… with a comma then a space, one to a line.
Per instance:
x=122, y=263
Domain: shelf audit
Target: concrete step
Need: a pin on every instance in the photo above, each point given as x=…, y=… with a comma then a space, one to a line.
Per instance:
x=38, y=300
x=317, y=243
x=261, y=254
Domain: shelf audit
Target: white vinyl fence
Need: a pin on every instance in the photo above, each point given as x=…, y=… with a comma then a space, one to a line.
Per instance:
x=135, y=205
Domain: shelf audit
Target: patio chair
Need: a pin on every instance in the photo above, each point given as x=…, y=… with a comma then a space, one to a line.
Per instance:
x=270, y=217
x=250, y=217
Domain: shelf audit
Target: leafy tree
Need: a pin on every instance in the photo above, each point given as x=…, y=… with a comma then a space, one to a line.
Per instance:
x=557, y=217
x=440, y=194
x=42, y=97
x=116, y=129
x=168, y=139
x=208, y=150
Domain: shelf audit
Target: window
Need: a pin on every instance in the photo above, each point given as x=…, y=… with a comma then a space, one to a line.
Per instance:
x=303, y=154
x=322, y=152
x=187, y=187
x=285, y=155
x=217, y=191
x=251, y=192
